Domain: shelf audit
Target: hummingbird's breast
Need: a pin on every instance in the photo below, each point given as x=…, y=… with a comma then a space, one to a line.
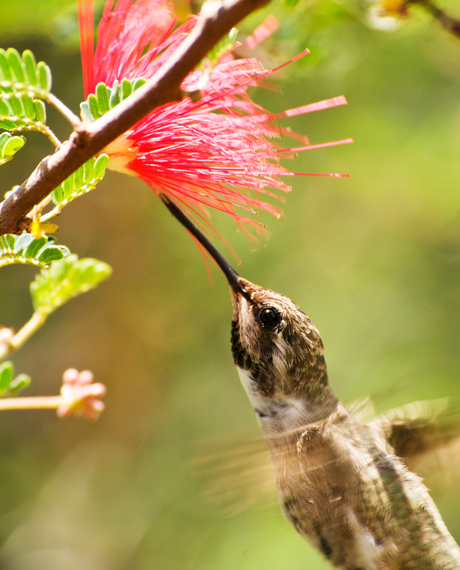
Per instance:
x=276, y=414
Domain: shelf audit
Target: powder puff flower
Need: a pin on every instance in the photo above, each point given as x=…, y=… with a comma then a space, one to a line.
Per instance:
x=219, y=152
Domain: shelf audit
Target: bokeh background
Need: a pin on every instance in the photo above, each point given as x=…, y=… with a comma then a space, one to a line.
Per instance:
x=374, y=260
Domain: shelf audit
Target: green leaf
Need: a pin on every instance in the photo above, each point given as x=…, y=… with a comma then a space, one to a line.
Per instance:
x=8, y=240
x=93, y=107
x=12, y=145
x=40, y=111
x=65, y=279
x=21, y=113
x=4, y=109
x=16, y=107
x=115, y=95
x=86, y=110
x=222, y=47
x=126, y=88
x=30, y=67
x=5, y=71
x=9, y=146
x=138, y=83
x=290, y=4
x=81, y=181
x=51, y=253
x=27, y=250
x=22, y=83
x=45, y=80
x=107, y=98
x=34, y=247
x=102, y=94
x=6, y=375
x=22, y=241
x=15, y=63
x=10, y=386
x=21, y=75
x=17, y=384
x=100, y=165
x=29, y=107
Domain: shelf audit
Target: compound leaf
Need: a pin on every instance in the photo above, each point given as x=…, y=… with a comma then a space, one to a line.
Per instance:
x=65, y=279
x=107, y=98
x=21, y=75
x=81, y=181
x=30, y=251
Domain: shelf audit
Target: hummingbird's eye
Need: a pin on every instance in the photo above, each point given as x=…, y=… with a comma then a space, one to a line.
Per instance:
x=269, y=317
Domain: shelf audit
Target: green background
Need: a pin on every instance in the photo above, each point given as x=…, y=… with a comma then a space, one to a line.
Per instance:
x=374, y=260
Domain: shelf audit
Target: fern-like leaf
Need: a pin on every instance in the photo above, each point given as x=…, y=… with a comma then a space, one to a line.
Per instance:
x=22, y=113
x=81, y=181
x=107, y=98
x=65, y=279
x=27, y=250
x=21, y=75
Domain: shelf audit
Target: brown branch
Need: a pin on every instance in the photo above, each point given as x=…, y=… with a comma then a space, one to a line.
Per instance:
x=216, y=19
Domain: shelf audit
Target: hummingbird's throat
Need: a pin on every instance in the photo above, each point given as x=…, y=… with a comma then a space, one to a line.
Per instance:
x=276, y=415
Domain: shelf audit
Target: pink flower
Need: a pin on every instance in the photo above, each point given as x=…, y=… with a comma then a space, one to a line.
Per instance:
x=219, y=152
x=81, y=395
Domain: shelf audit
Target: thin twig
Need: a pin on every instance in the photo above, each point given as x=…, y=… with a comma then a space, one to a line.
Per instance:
x=52, y=137
x=34, y=323
x=216, y=19
x=33, y=402
x=64, y=110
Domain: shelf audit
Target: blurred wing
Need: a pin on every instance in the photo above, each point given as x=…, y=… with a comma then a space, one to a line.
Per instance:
x=426, y=435
x=362, y=410
x=236, y=474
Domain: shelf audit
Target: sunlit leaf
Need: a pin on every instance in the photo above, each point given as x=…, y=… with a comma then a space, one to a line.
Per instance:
x=9, y=385
x=107, y=98
x=23, y=83
x=6, y=374
x=102, y=96
x=81, y=181
x=9, y=146
x=64, y=279
x=17, y=384
x=21, y=75
x=30, y=66
x=44, y=77
x=30, y=251
x=22, y=113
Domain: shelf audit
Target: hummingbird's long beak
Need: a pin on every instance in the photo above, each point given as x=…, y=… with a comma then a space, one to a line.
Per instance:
x=232, y=276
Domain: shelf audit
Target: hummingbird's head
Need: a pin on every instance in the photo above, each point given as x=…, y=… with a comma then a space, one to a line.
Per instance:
x=275, y=342
x=276, y=348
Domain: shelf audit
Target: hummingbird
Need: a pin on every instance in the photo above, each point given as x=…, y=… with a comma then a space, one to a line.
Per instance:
x=344, y=486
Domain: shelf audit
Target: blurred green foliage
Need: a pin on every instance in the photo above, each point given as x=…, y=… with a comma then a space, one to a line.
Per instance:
x=374, y=260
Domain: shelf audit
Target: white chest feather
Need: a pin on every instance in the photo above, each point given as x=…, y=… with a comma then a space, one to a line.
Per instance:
x=274, y=415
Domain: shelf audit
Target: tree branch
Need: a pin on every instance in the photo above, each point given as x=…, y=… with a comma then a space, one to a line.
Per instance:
x=216, y=19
